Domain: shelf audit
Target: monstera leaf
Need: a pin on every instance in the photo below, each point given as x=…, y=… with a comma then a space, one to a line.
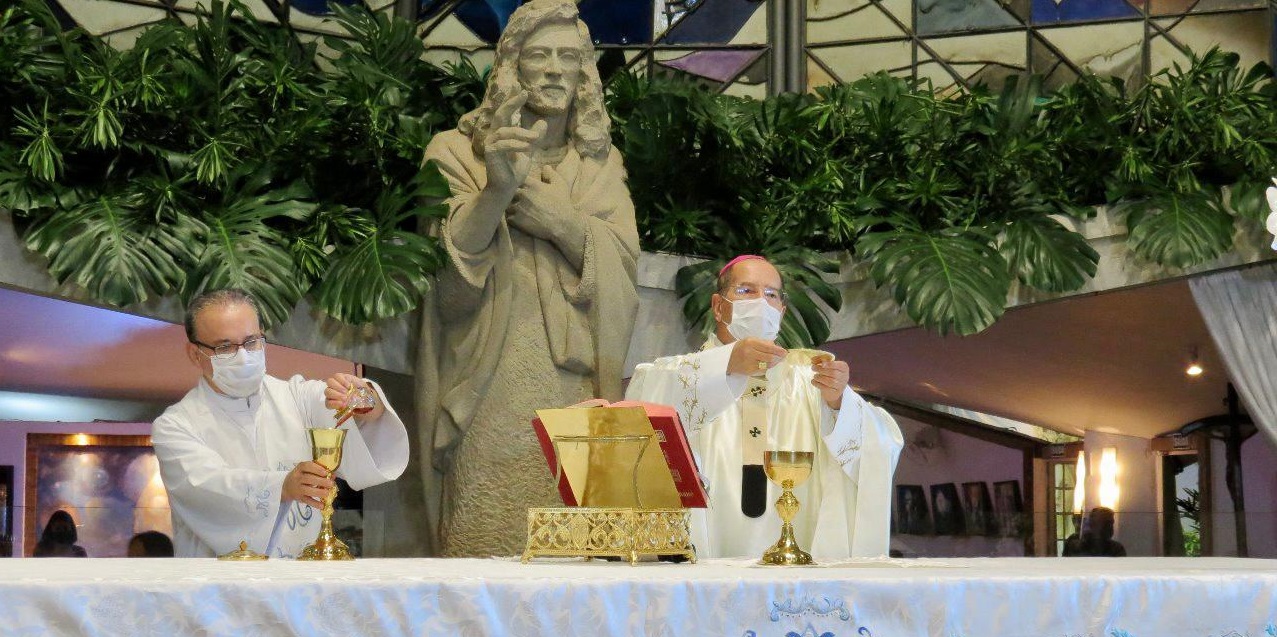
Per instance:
x=1247, y=200
x=111, y=249
x=1178, y=229
x=952, y=280
x=802, y=269
x=387, y=270
x=236, y=247
x=1046, y=255
x=22, y=193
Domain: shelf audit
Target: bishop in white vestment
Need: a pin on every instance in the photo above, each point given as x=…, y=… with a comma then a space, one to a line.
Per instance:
x=741, y=396
x=234, y=454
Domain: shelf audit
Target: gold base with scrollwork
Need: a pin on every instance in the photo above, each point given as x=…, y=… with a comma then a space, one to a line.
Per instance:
x=623, y=532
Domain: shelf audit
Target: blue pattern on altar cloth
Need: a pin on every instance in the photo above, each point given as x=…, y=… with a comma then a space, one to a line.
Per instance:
x=808, y=606
x=810, y=631
x=798, y=613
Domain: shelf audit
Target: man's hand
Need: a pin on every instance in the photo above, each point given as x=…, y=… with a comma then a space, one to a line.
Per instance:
x=339, y=390
x=543, y=206
x=507, y=150
x=831, y=378
x=308, y=483
x=752, y=356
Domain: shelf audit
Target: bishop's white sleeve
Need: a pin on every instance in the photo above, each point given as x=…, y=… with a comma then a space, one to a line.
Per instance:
x=697, y=385
x=375, y=451
x=221, y=504
x=844, y=431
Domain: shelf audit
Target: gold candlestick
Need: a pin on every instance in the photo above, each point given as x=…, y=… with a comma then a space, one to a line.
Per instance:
x=788, y=469
x=325, y=447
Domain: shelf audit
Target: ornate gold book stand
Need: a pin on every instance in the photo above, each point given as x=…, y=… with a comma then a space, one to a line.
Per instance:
x=608, y=460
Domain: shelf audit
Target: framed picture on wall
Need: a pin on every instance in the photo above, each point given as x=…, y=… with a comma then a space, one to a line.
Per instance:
x=108, y=485
x=977, y=507
x=912, y=514
x=946, y=509
x=1009, y=507
x=6, y=511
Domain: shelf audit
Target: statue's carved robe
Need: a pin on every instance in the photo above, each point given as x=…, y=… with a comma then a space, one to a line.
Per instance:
x=511, y=329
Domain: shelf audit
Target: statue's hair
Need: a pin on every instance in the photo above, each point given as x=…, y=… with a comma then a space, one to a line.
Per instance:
x=588, y=123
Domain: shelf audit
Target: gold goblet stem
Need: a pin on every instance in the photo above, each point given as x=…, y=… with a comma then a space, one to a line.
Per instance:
x=786, y=550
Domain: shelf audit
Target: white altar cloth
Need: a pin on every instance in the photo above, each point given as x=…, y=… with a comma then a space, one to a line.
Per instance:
x=989, y=597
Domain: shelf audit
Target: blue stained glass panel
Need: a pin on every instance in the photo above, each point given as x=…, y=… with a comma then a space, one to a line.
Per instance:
x=318, y=7
x=618, y=21
x=713, y=22
x=1048, y=11
x=610, y=21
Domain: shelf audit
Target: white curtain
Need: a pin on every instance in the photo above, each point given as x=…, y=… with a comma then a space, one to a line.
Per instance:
x=1240, y=309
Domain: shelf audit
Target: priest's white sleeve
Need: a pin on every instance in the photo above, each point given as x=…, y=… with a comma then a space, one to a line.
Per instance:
x=697, y=385
x=375, y=451
x=220, y=504
x=865, y=441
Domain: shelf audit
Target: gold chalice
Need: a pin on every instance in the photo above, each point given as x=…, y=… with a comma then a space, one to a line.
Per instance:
x=788, y=469
x=325, y=448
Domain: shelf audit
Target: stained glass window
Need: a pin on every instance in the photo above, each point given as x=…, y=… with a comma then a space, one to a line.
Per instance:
x=726, y=44
x=960, y=43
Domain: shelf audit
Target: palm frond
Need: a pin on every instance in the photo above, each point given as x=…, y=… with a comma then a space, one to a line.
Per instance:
x=952, y=280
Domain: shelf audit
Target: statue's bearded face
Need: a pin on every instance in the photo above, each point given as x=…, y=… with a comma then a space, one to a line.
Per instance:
x=550, y=68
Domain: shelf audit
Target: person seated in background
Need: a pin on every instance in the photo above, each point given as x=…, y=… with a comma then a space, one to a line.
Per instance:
x=150, y=544
x=59, y=538
x=1096, y=539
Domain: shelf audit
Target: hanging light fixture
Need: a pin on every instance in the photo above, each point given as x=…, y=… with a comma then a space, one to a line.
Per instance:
x=1194, y=368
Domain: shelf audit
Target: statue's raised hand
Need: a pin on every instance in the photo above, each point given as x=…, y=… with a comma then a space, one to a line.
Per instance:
x=507, y=150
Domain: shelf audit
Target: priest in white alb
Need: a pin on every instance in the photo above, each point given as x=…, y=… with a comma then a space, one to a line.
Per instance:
x=234, y=454
x=742, y=395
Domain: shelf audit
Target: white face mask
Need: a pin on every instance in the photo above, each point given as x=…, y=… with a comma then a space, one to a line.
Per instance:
x=756, y=318
x=241, y=375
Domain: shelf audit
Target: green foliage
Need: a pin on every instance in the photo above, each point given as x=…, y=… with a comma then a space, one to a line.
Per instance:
x=1048, y=256
x=232, y=152
x=381, y=275
x=227, y=153
x=1189, y=508
x=1178, y=229
x=951, y=280
x=950, y=198
x=236, y=244
x=110, y=250
x=1189, y=133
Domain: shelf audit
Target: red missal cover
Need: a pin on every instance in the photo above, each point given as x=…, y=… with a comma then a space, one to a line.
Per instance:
x=669, y=434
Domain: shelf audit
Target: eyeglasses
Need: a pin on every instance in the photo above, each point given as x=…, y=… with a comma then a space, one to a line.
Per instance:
x=772, y=295
x=228, y=350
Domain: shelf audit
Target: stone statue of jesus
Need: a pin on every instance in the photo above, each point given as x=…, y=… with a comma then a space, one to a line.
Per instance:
x=535, y=306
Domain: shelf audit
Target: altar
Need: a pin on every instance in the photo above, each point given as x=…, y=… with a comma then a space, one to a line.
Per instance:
x=991, y=597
